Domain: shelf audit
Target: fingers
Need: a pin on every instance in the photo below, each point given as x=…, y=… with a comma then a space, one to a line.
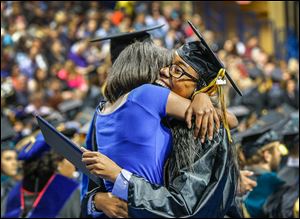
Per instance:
x=92, y=167
x=246, y=173
x=204, y=126
x=91, y=154
x=188, y=117
x=90, y=160
x=216, y=119
x=122, y=214
x=122, y=209
x=210, y=126
x=247, y=184
x=198, y=121
x=119, y=215
x=83, y=149
x=124, y=206
x=96, y=168
x=252, y=183
x=248, y=187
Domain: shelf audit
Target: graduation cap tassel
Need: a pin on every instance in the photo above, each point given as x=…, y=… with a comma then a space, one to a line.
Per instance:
x=223, y=108
x=103, y=88
x=211, y=89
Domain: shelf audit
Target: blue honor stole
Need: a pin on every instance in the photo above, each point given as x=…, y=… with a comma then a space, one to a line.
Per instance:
x=49, y=201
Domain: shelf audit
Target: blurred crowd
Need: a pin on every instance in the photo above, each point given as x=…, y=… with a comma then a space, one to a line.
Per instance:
x=49, y=67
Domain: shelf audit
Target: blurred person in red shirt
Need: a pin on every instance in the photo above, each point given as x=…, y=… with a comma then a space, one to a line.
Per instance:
x=72, y=77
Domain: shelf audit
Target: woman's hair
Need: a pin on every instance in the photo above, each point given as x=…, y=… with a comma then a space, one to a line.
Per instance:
x=40, y=169
x=186, y=150
x=137, y=64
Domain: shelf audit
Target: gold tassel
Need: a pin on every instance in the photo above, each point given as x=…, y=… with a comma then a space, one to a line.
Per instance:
x=103, y=87
x=223, y=108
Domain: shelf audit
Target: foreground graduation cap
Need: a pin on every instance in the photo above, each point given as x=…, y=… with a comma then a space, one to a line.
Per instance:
x=199, y=56
x=121, y=40
x=63, y=146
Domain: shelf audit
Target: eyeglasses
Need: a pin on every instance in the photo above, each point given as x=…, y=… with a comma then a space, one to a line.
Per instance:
x=177, y=72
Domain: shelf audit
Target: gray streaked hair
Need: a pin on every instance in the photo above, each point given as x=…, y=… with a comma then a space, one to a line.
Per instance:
x=186, y=150
x=137, y=64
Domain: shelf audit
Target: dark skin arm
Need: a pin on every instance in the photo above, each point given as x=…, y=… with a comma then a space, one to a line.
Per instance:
x=206, y=117
x=231, y=118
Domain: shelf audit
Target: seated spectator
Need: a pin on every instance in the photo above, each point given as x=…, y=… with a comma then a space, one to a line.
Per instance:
x=38, y=189
x=37, y=105
x=9, y=167
x=262, y=155
x=282, y=202
x=72, y=77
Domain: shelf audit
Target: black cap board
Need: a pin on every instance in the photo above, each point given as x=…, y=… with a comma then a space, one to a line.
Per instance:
x=120, y=41
x=255, y=139
x=212, y=59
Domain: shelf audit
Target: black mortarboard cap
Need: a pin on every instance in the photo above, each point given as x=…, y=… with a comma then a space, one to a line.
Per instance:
x=255, y=139
x=70, y=128
x=203, y=60
x=276, y=75
x=7, y=145
x=271, y=118
x=118, y=42
x=55, y=118
x=70, y=108
x=271, y=121
x=23, y=116
x=287, y=109
x=290, y=131
x=254, y=73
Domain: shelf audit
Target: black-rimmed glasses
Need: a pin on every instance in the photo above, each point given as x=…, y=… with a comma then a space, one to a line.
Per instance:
x=177, y=72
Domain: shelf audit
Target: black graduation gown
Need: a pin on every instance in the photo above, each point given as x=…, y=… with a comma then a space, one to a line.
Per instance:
x=281, y=203
x=208, y=191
